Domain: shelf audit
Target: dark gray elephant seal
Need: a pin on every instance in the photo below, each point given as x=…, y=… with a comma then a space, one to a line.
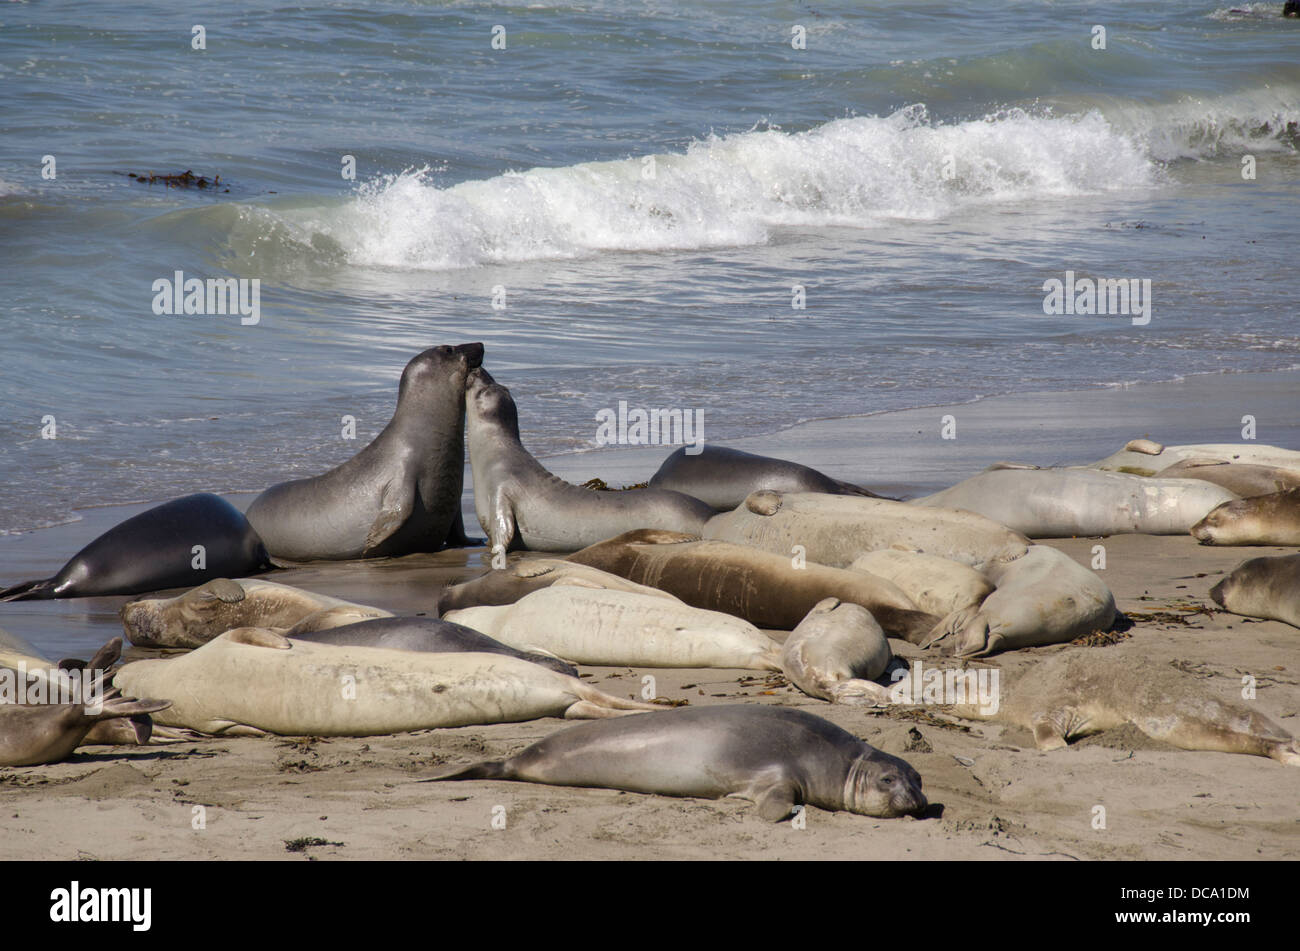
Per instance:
x=399, y=495
x=155, y=550
x=522, y=505
x=1263, y=587
x=774, y=756
x=428, y=635
x=1261, y=520
x=723, y=477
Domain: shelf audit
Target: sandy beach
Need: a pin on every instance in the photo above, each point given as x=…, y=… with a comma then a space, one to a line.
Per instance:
x=996, y=796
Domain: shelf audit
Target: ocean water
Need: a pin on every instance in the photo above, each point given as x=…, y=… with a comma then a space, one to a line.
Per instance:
x=642, y=185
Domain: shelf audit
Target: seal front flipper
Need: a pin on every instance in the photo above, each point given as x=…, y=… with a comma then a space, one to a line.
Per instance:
x=502, y=530
x=395, y=506
x=457, y=537
x=775, y=802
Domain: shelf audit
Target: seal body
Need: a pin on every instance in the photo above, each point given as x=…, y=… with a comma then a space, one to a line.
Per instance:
x=1078, y=693
x=1243, y=479
x=426, y=634
x=522, y=505
x=723, y=477
x=1061, y=503
x=774, y=756
x=507, y=585
x=1147, y=458
x=1263, y=587
x=1262, y=520
x=252, y=680
x=400, y=494
x=766, y=589
x=836, y=652
x=835, y=529
x=158, y=548
x=200, y=614
x=33, y=734
x=936, y=585
x=1046, y=597
x=624, y=628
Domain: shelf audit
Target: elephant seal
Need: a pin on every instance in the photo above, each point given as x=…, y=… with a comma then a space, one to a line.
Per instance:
x=1263, y=587
x=624, y=629
x=156, y=549
x=33, y=734
x=521, y=505
x=1078, y=693
x=200, y=614
x=835, y=654
x=1061, y=503
x=507, y=585
x=1242, y=479
x=835, y=529
x=251, y=681
x=936, y=585
x=767, y=590
x=1046, y=597
x=776, y=757
x=400, y=494
x=1263, y=520
x=426, y=634
x=1145, y=457
x=723, y=477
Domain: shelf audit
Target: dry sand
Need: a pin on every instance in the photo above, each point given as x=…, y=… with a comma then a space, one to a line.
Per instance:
x=1000, y=797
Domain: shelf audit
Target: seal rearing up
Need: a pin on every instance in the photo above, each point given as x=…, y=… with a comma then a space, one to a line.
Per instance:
x=522, y=505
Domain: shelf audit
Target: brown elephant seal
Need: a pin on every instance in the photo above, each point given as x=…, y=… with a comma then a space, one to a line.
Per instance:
x=426, y=634
x=775, y=757
x=1046, y=597
x=1243, y=479
x=936, y=585
x=723, y=477
x=154, y=550
x=251, y=681
x=835, y=654
x=516, y=581
x=200, y=614
x=835, y=529
x=1263, y=520
x=400, y=494
x=1081, y=692
x=1263, y=587
x=766, y=589
x=522, y=505
x=32, y=734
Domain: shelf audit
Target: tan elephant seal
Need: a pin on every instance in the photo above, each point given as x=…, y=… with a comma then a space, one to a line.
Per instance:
x=1244, y=479
x=1263, y=587
x=937, y=585
x=1146, y=457
x=623, y=629
x=834, y=530
x=1046, y=597
x=775, y=757
x=36, y=733
x=1263, y=520
x=200, y=614
x=765, y=589
x=835, y=654
x=1086, y=691
x=252, y=681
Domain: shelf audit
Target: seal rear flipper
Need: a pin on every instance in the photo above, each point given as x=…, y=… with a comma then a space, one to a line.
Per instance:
x=122, y=707
x=912, y=626
x=593, y=704
x=42, y=590
x=859, y=693
x=492, y=769
x=1047, y=733
x=848, y=488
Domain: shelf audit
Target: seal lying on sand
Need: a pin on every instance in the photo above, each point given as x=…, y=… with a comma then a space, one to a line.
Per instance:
x=777, y=758
x=521, y=505
x=1080, y=692
x=937, y=585
x=723, y=477
x=624, y=629
x=510, y=584
x=32, y=734
x=1046, y=597
x=426, y=634
x=835, y=654
x=250, y=681
x=400, y=494
x=1243, y=479
x=1146, y=457
x=1262, y=520
x=156, y=549
x=835, y=529
x=1263, y=587
x=766, y=589
x=200, y=614
x=1061, y=503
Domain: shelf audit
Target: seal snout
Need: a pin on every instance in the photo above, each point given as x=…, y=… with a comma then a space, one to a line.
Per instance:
x=1216, y=593
x=473, y=353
